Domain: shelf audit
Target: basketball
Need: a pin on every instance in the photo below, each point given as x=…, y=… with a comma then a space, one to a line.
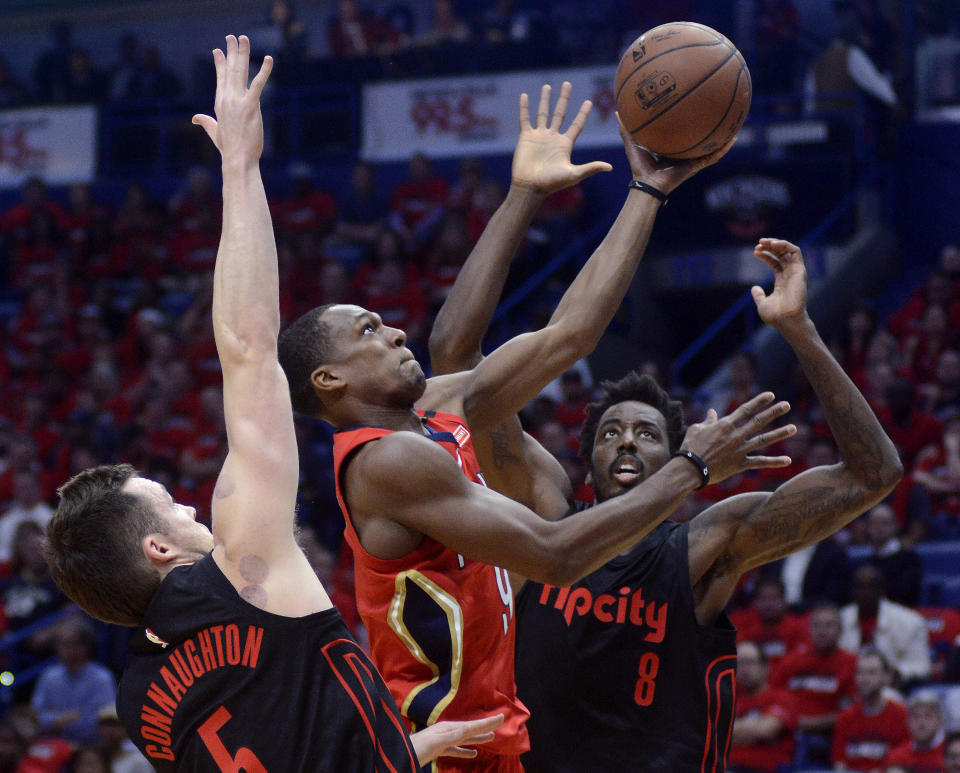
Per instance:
x=682, y=90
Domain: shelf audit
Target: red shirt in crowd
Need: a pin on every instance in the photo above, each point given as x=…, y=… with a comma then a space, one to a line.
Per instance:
x=766, y=756
x=776, y=640
x=862, y=741
x=916, y=760
x=314, y=212
x=820, y=682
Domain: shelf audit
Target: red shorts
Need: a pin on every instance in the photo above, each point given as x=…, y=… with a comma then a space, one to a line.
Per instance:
x=484, y=762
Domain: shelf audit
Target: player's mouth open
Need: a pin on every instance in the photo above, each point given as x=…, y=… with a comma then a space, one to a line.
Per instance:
x=626, y=471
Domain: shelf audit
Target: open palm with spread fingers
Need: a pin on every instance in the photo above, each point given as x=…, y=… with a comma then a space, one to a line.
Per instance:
x=541, y=160
x=788, y=299
x=238, y=127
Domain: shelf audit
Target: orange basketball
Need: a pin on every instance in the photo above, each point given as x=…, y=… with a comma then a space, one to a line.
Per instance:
x=682, y=90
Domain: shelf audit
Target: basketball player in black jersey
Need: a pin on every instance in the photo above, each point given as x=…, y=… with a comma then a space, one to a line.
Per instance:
x=632, y=667
x=239, y=661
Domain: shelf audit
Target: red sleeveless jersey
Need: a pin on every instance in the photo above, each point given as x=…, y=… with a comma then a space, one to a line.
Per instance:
x=441, y=625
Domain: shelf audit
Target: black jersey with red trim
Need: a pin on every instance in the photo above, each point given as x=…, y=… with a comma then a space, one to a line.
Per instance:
x=617, y=672
x=214, y=684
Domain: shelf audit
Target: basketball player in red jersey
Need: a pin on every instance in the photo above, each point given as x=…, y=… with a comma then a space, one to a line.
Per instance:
x=431, y=546
x=643, y=641
x=239, y=661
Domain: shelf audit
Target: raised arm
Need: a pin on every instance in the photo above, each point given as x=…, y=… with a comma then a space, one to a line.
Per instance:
x=513, y=375
x=254, y=500
x=742, y=532
x=541, y=166
x=392, y=502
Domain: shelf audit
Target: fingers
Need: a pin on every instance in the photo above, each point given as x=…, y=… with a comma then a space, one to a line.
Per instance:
x=773, y=436
x=751, y=407
x=763, y=418
x=780, y=249
x=208, y=124
x=766, y=462
x=256, y=87
x=584, y=171
x=768, y=257
x=560, y=111
x=579, y=120
x=525, y=113
x=758, y=295
x=543, y=109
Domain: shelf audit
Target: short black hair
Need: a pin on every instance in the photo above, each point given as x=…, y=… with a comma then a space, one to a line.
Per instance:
x=643, y=389
x=305, y=345
x=769, y=580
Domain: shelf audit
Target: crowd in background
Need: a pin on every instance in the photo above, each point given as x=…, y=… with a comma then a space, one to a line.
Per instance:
x=107, y=354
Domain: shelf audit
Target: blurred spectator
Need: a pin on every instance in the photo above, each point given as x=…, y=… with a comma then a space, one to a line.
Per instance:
x=768, y=622
x=866, y=731
x=69, y=694
x=951, y=753
x=354, y=32
x=85, y=82
x=505, y=23
x=122, y=75
x=51, y=71
x=897, y=631
x=741, y=385
x=577, y=471
x=12, y=749
x=937, y=471
x=418, y=203
x=197, y=195
x=12, y=92
x=922, y=350
x=447, y=253
x=29, y=596
x=766, y=718
x=284, y=36
x=909, y=428
x=941, y=397
x=89, y=759
x=153, y=79
x=821, y=678
x=27, y=505
x=463, y=192
x=307, y=208
x=572, y=408
x=778, y=50
x=923, y=753
x=447, y=26
x=123, y=755
x=842, y=68
x=819, y=572
x=33, y=199
x=363, y=209
x=939, y=289
x=902, y=568
x=854, y=340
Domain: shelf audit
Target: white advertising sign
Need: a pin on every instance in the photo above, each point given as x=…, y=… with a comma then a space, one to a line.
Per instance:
x=57, y=144
x=477, y=114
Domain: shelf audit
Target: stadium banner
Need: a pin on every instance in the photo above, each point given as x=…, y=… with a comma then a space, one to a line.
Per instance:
x=58, y=144
x=477, y=114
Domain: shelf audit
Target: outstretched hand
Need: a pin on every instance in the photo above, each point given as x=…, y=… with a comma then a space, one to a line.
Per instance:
x=665, y=174
x=450, y=739
x=541, y=160
x=729, y=445
x=788, y=300
x=237, y=130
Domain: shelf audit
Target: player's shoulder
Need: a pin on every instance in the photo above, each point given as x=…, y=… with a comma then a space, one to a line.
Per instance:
x=397, y=457
x=444, y=394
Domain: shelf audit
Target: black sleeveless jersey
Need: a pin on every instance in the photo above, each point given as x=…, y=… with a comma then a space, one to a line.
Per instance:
x=214, y=684
x=617, y=672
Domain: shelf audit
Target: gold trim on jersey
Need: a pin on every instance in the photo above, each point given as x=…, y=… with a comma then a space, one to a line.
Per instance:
x=454, y=614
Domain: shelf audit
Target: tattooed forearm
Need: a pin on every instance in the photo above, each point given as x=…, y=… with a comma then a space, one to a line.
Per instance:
x=864, y=447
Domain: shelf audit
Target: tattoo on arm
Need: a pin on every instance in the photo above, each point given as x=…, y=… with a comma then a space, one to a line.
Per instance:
x=504, y=453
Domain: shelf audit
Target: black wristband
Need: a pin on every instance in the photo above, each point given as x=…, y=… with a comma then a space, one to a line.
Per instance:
x=698, y=463
x=647, y=188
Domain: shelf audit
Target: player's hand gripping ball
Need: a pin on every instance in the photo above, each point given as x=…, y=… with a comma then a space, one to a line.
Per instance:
x=682, y=90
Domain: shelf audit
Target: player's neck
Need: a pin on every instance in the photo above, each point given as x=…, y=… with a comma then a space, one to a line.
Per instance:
x=390, y=418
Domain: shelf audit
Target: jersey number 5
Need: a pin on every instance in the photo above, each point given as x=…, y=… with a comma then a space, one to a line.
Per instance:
x=648, y=668
x=244, y=759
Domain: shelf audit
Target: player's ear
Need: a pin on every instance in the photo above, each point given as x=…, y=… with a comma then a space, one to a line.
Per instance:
x=158, y=549
x=327, y=380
